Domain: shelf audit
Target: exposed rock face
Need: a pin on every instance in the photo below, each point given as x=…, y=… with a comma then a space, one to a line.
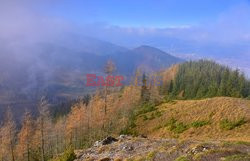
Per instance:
x=106, y=141
x=140, y=148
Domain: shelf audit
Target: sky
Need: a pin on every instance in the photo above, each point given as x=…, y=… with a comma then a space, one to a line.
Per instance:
x=140, y=13
x=224, y=20
x=128, y=15
x=199, y=28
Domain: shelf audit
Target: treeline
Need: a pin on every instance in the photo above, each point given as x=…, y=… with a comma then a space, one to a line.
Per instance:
x=203, y=79
x=49, y=135
x=108, y=112
x=53, y=132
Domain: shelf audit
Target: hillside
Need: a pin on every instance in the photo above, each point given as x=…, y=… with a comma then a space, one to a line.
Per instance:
x=199, y=133
x=162, y=60
x=198, y=119
x=58, y=69
x=162, y=113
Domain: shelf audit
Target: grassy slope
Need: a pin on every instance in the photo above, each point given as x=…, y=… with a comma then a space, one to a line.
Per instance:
x=211, y=111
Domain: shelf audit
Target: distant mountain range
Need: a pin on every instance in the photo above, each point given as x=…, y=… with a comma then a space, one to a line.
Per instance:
x=58, y=69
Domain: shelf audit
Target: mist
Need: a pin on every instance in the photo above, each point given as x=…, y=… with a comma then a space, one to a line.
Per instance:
x=24, y=24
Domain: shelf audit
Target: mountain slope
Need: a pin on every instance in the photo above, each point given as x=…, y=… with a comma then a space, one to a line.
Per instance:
x=221, y=118
x=155, y=58
x=58, y=69
x=188, y=130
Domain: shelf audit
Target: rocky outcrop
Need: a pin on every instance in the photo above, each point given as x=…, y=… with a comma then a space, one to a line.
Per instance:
x=141, y=148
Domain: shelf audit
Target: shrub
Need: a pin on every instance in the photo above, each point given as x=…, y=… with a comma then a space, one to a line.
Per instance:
x=197, y=124
x=172, y=121
x=68, y=155
x=179, y=127
x=145, y=117
x=182, y=158
x=168, y=99
x=147, y=107
x=128, y=131
x=152, y=116
x=229, y=125
x=238, y=157
x=176, y=127
x=151, y=155
x=158, y=114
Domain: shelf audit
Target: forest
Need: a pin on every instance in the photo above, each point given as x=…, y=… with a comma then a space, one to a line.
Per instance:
x=51, y=136
x=204, y=79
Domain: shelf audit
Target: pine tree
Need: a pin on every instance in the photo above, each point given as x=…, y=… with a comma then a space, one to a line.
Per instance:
x=204, y=79
x=223, y=89
x=171, y=87
x=145, y=95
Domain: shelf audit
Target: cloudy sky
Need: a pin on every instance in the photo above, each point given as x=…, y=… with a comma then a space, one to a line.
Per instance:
x=142, y=16
x=207, y=28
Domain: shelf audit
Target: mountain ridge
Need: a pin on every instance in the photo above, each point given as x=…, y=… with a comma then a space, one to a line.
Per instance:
x=57, y=69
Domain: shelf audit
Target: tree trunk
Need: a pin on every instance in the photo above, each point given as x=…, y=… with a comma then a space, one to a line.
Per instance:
x=42, y=141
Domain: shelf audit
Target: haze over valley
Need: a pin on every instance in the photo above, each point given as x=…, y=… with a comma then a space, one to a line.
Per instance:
x=184, y=96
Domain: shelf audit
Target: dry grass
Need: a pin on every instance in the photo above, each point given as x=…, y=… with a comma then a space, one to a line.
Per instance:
x=190, y=112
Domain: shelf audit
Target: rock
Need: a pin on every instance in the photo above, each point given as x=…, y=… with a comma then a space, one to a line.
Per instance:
x=78, y=153
x=143, y=136
x=89, y=159
x=106, y=141
x=105, y=159
x=199, y=149
x=109, y=140
x=97, y=143
x=122, y=136
x=128, y=148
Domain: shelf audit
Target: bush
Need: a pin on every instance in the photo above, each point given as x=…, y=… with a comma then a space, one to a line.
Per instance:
x=147, y=107
x=179, y=127
x=168, y=99
x=151, y=155
x=158, y=114
x=229, y=125
x=197, y=124
x=176, y=127
x=145, y=117
x=128, y=130
x=238, y=157
x=182, y=158
x=68, y=155
x=152, y=116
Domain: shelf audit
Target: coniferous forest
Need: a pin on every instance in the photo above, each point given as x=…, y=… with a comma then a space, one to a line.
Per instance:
x=203, y=79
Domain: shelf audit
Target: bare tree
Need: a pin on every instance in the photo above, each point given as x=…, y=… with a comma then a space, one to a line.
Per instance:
x=43, y=123
x=8, y=135
x=109, y=69
x=25, y=137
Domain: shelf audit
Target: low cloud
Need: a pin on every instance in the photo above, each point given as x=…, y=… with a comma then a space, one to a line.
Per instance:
x=228, y=35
